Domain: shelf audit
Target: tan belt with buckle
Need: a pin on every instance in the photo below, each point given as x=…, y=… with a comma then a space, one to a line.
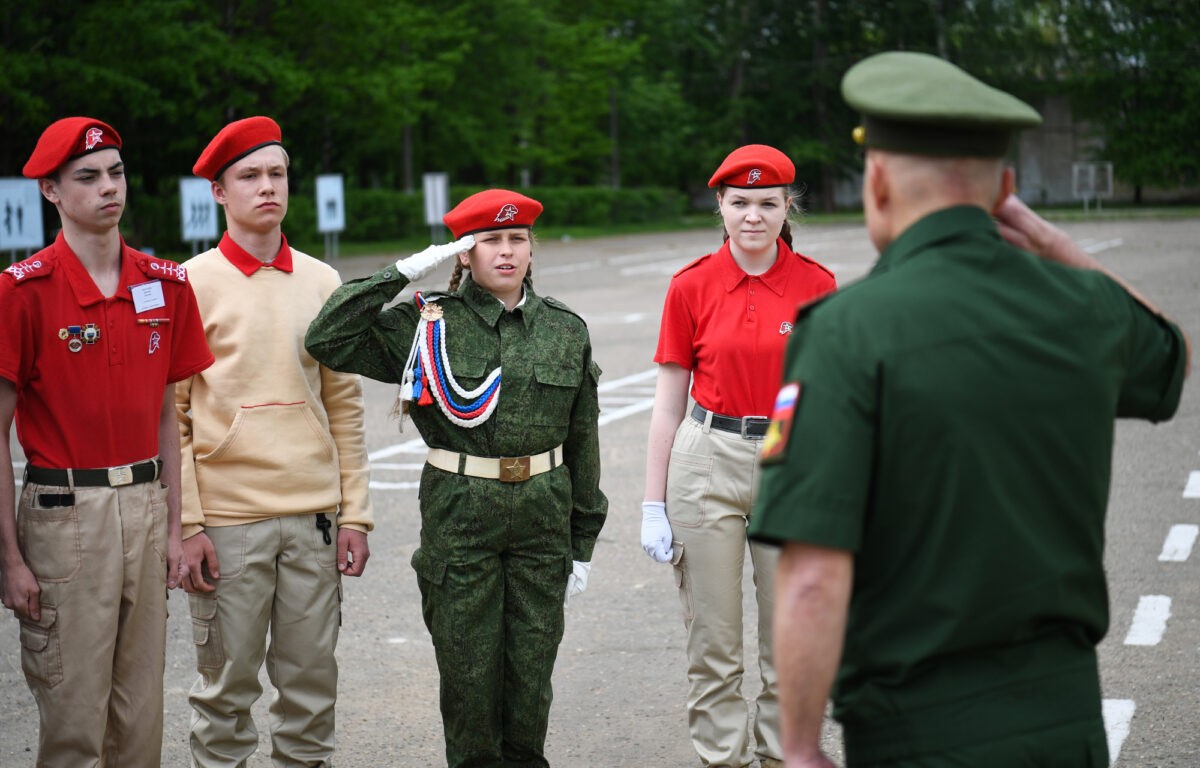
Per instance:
x=506, y=469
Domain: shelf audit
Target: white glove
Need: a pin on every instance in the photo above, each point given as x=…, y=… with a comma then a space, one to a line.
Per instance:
x=577, y=581
x=420, y=264
x=656, y=531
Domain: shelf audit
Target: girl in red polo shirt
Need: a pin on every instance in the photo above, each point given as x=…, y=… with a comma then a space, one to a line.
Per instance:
x=725, y=325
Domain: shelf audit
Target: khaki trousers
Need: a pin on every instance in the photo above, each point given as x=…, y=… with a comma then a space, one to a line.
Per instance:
x=711, y=482
x=95, y=660
x=277, y=574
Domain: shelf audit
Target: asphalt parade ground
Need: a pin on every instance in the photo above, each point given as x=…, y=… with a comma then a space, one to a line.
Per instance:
x=620, y=682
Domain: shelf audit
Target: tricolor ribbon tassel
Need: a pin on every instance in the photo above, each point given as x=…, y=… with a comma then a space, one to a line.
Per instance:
x=428, y=378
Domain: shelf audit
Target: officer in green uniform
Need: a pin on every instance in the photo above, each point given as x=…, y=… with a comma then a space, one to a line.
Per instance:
x=501, y=384
x=938, y=463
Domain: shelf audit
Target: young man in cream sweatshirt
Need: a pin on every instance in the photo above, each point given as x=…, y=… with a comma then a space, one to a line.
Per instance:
x=275, y=499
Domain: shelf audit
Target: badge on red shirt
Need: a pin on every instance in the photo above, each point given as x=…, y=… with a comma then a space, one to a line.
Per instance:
x=775, y=442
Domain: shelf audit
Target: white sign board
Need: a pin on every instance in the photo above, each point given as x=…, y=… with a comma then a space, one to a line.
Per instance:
x=197, y=209
x=437, y=197
x=331, y=203
x=20, y=215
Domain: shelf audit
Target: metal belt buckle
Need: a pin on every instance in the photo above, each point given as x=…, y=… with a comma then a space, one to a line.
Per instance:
x=118, y=476
x=514, y=470
x=747, y=421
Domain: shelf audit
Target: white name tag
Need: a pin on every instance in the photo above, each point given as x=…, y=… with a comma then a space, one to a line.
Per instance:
x=147, y=296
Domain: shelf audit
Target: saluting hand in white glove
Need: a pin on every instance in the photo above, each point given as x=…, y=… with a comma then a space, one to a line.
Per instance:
x=656, y=531
x=577, y=580
x=420, y=264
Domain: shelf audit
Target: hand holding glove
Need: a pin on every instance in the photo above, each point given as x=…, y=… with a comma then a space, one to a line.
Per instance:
x=420, y=264
x=577, y=581
x=656, y=531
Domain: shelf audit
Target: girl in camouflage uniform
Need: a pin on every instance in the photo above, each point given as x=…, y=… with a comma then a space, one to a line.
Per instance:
x=501, y=384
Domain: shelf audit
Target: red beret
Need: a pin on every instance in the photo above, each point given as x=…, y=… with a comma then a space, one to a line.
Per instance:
x=754, y=165
x=235, y=141
x=492, y=209
x=68, y=139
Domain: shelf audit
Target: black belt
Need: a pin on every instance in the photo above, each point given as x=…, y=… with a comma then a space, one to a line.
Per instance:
x=113, y=477
x=747, y=426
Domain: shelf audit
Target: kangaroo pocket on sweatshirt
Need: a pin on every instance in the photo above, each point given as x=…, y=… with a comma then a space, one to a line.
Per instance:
x=275, y=458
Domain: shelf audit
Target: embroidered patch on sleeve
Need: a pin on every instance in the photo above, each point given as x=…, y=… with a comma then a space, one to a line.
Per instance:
x=775, y=443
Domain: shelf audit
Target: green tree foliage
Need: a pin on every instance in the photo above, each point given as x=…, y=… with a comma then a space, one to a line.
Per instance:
x=1135, y=73
x=618, y=93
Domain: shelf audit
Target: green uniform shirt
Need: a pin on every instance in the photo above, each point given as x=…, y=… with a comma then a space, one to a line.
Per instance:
x=548, y=384
x=954, y=431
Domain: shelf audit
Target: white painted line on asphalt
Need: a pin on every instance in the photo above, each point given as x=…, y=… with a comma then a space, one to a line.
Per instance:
x=1117, y=713
x=382, y=486
x=412, y=446
x=628, y=410
x=1192, y=489
x=1149, y=620
x=386, y=465
x=1103, y=245
x=667, y=267
x=1178, y=545
x=577, y=266
x=635, y=378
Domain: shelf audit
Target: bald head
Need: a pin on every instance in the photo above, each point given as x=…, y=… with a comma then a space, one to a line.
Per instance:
x=899, y=189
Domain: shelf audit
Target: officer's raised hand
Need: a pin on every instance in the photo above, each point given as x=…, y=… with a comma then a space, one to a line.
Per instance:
x=656, y=531
x=420, y=264
x=200, y=557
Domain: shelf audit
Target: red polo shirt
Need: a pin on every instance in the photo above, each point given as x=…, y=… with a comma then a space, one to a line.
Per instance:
x=730, y=329
x=98, y=406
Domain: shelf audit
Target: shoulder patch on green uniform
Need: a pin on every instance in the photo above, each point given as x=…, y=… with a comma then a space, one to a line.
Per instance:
x=553, y=302
x=162, y=269
x=692, y=264
x=34, y=266
x=775, y=443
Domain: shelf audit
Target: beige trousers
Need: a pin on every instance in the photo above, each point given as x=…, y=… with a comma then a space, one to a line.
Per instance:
x=277, y=574
x=711, y=482
x=95, y=660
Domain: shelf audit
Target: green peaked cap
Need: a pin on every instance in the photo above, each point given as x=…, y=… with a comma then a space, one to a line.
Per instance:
x=918, y=104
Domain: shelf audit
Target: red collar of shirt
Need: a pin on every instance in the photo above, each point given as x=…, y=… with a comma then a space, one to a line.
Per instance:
x=248, y=265
x=774, y=278
x=83, y=286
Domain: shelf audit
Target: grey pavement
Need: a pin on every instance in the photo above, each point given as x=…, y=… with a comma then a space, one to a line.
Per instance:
x=620, y=682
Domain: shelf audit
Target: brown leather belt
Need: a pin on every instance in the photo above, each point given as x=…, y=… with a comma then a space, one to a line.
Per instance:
x=748, y=427
x=113, y=477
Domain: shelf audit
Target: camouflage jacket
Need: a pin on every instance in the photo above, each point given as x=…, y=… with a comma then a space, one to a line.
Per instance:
x=548, y=382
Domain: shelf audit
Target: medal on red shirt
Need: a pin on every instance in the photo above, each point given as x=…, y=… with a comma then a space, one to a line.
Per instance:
x=71, y=334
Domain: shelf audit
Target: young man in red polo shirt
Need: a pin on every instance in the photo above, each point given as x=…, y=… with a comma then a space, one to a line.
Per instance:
x=96, y=334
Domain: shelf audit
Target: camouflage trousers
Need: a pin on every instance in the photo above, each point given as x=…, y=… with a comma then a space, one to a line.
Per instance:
x=492, y=568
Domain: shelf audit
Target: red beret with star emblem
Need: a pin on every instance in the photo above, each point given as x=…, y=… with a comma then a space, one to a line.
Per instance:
x=492, y=209
x=235, y=141
x=754, y=165
x=68, y=139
